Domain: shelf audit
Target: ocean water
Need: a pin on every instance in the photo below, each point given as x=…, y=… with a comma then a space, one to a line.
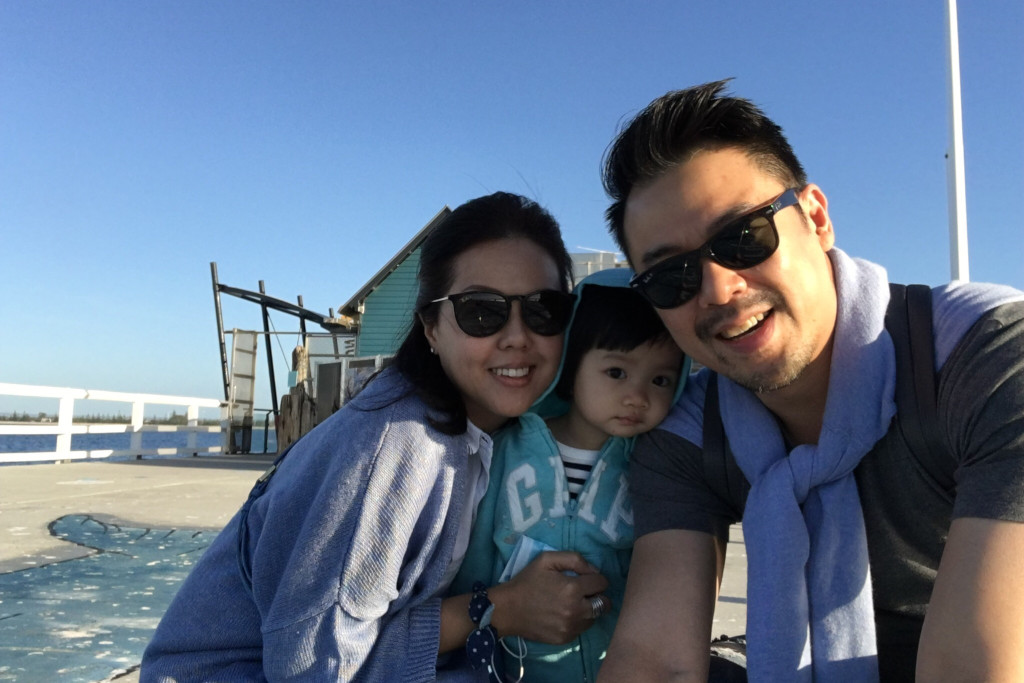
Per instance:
x=11, y=443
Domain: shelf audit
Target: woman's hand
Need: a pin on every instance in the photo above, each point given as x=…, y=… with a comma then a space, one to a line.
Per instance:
x=544, y=603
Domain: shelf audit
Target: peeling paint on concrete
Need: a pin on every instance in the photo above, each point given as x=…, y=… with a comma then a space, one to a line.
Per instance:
x=90, y=618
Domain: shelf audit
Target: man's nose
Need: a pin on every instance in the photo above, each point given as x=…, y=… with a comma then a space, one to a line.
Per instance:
x=719, y=285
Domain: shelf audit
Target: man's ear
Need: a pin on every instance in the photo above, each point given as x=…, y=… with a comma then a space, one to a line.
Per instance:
x=815, y=205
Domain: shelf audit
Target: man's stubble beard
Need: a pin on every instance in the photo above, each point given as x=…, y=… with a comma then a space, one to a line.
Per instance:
x=760, y=381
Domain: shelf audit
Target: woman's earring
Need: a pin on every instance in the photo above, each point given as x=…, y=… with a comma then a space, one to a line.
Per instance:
x=433, y=350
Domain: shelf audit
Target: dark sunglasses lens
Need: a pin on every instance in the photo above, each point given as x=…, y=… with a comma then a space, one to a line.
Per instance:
x=673, y=282
x=480, y=314
x=547, y=312
x=746, y=243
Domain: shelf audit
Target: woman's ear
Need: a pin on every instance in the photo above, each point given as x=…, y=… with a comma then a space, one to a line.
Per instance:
x=429, y=331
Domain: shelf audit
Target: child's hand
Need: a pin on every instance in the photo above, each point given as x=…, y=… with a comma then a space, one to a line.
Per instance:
x=544, y=603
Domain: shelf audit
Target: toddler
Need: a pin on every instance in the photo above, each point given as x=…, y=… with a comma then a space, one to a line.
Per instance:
x=558, y=479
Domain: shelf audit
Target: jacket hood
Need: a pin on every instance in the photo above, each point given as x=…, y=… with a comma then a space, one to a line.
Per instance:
x=549, y=404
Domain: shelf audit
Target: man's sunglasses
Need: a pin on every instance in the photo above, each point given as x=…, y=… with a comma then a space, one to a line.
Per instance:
x=742, y=243
x=481, y=314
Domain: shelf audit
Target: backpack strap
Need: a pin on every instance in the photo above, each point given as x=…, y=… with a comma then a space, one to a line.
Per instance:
x=721, y=470
x=908, y=320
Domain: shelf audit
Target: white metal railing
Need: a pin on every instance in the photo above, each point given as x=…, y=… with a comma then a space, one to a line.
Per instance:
x=65, y=428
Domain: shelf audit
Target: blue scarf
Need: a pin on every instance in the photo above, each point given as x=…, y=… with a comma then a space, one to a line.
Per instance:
x=810, y=614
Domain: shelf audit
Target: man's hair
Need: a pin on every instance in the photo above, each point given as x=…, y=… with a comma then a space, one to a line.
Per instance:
x=611, y=319
x=677, y=125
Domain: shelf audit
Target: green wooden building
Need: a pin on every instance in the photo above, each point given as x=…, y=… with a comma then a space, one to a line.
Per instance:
x=383, y=307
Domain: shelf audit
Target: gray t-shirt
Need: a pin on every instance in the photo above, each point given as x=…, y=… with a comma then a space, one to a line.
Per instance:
x=907, y=515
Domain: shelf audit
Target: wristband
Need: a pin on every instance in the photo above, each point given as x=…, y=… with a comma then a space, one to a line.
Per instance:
x=483, y=640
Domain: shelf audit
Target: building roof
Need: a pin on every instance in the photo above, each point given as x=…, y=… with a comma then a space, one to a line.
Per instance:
x=351, y=307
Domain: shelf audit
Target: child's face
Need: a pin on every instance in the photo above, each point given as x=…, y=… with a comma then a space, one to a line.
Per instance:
x=625, y=393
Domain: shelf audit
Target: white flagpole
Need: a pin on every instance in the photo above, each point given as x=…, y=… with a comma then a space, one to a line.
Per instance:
x=955, y=157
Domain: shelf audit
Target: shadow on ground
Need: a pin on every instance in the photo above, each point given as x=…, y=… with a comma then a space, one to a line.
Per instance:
x=89, y=619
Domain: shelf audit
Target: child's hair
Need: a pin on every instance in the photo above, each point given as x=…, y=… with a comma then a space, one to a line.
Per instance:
x=611, y=319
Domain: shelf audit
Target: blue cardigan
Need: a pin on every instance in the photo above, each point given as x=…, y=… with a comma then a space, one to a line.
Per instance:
x=349, y=546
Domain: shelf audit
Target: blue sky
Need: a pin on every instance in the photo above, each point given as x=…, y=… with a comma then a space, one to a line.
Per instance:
x=303, y=143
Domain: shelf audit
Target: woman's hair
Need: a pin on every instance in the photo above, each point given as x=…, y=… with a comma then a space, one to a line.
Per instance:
x=610, y=319
x=497, y=216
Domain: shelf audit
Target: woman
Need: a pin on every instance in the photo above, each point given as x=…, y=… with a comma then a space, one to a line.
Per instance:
x=334, y=571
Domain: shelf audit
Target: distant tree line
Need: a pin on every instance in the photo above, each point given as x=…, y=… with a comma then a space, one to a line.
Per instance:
x=173, y=419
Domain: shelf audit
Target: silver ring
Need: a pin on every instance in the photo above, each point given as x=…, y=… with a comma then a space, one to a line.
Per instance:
x=596, y=606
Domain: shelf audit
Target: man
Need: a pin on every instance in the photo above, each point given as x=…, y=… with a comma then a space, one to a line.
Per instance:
x=850, y=543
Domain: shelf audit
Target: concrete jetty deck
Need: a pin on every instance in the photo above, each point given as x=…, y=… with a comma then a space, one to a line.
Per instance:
x=92, y=552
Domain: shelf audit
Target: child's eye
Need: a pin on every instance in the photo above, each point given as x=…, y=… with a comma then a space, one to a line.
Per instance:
x=615, y=373
x=662, y=381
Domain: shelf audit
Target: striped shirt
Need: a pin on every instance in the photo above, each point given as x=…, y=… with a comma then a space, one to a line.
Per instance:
x=577, y=463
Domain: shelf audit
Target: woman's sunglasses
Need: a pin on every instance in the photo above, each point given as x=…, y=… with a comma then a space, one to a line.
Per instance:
x=481, y=314
x=742, y=243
